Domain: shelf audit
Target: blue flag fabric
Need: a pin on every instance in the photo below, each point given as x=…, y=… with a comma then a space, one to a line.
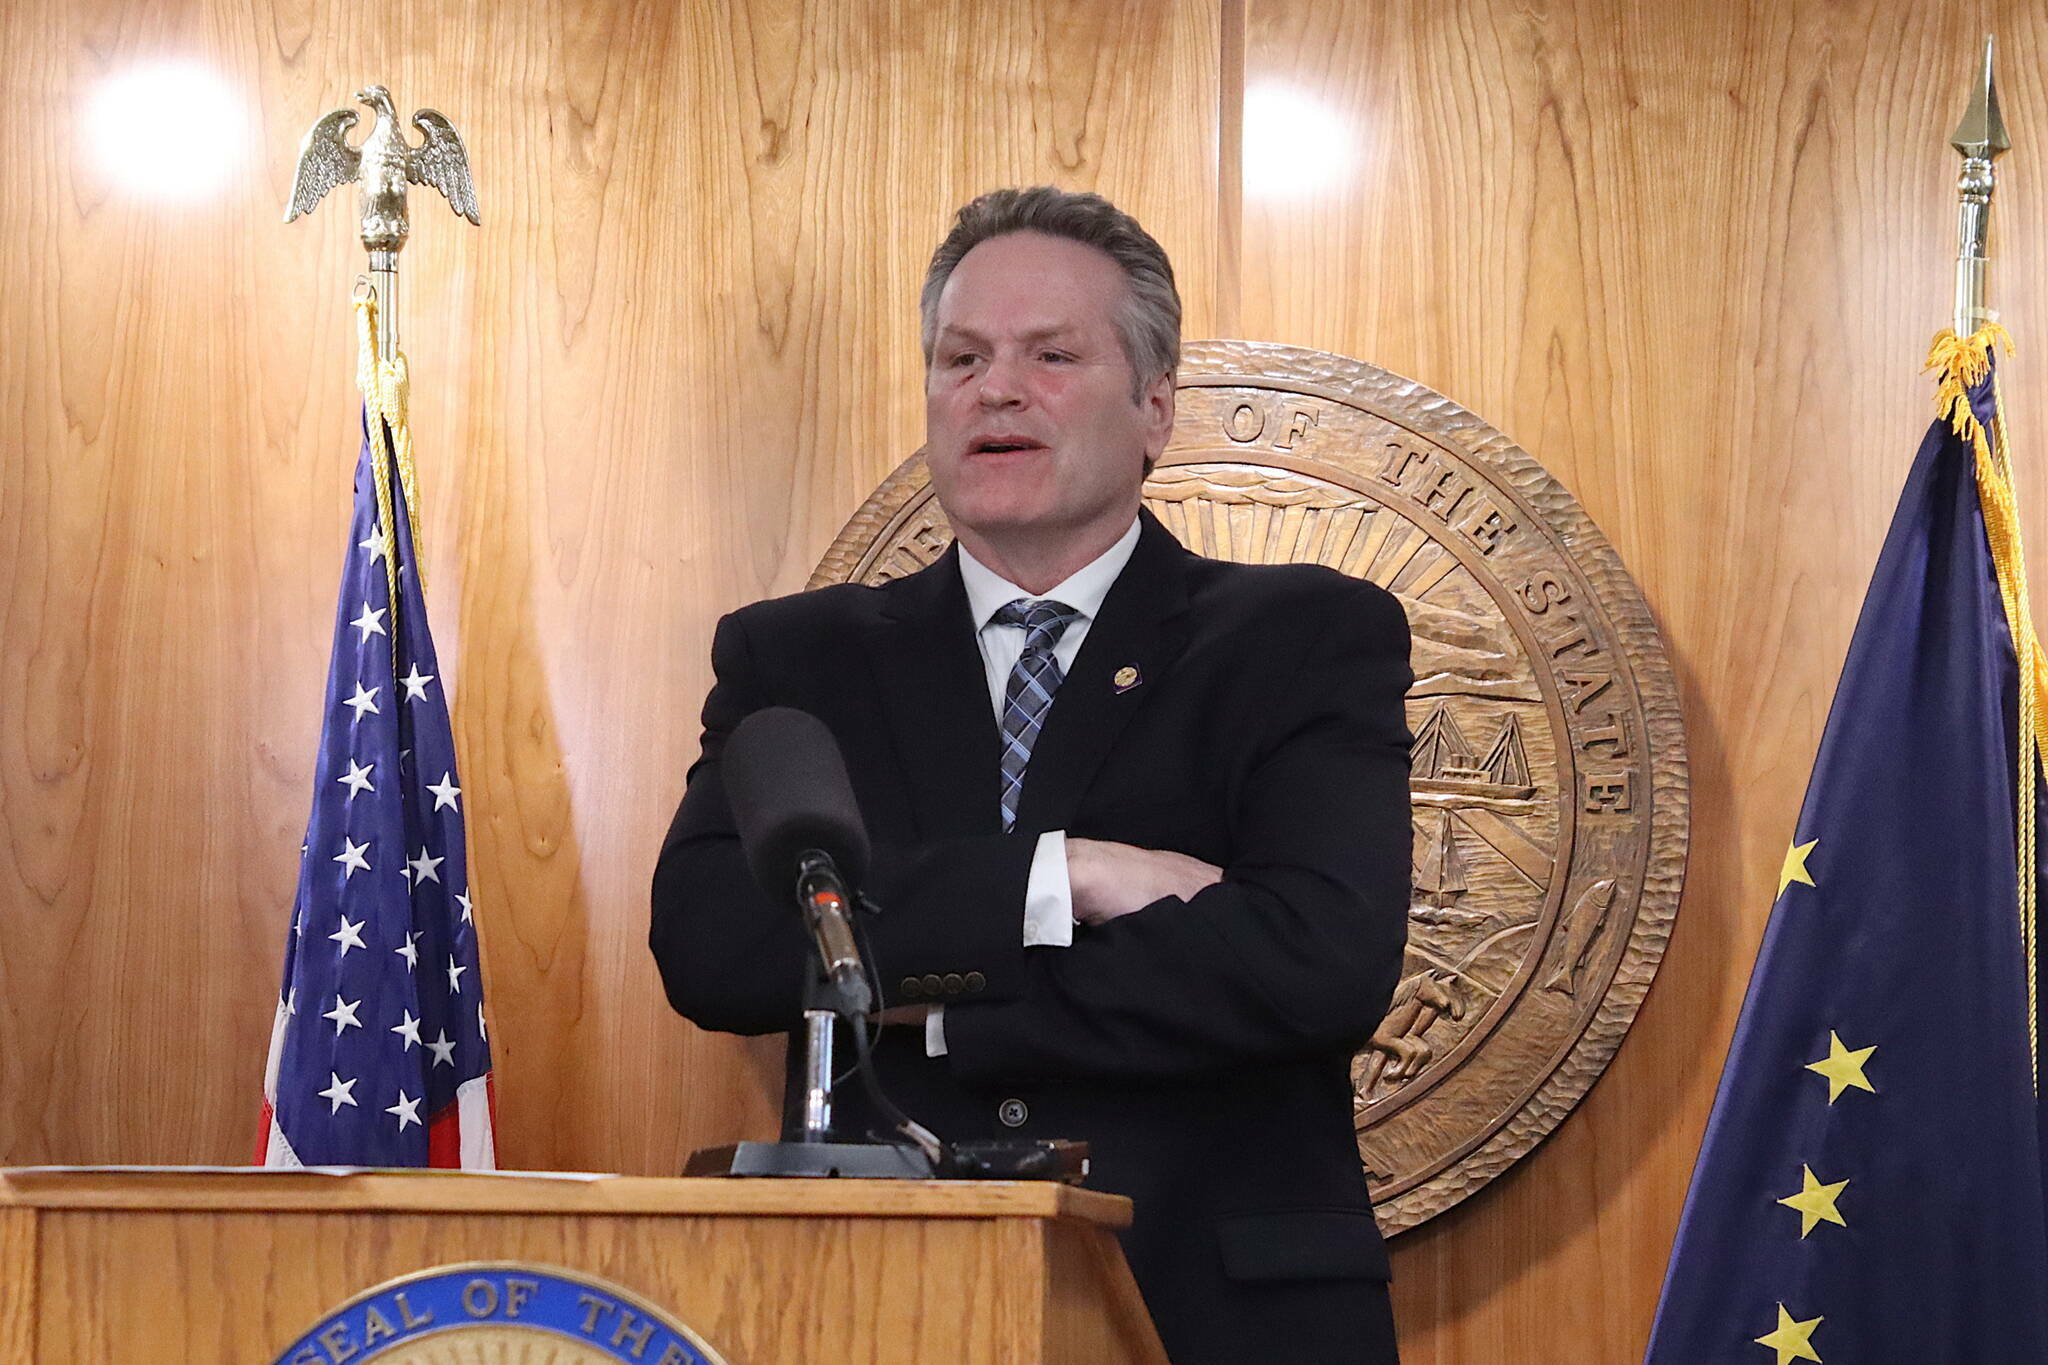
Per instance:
x=378, y=1051
x=1870, y=1185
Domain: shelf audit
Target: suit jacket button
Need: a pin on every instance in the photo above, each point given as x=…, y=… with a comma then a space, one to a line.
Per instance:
x=1013, y=1113
x=911, y=986
x=930, y=983
x=976, y=981
x=954, y=983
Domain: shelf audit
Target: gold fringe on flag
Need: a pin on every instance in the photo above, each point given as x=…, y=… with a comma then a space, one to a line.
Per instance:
x=387, y=390
x=1962, y=363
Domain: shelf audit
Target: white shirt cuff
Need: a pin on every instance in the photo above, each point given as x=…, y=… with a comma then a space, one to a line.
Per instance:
x=1048, y=919
x=1048, y=895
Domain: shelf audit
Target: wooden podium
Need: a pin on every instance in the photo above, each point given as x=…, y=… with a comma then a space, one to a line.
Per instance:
x=230, y=1267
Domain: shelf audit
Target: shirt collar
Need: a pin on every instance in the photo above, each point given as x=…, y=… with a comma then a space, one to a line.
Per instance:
x=988, y=592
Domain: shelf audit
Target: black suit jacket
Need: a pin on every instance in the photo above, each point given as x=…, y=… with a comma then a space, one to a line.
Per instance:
x=1201, y=1047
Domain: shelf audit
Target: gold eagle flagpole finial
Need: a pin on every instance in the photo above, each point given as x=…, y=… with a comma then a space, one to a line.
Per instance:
x=384, y=165
x=1979, y=138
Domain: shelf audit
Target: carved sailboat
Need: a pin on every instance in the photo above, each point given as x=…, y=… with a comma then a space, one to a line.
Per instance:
x=1439, y=871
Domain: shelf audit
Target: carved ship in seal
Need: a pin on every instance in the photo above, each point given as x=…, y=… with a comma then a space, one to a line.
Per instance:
x=1441, y=761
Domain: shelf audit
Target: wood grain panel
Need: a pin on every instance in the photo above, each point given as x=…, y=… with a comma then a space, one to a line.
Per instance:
x=787, y=1290
x=157, y=1190
x=1689, y=255
x=1092, y=1308
x=20, y=1285
x=676, y=356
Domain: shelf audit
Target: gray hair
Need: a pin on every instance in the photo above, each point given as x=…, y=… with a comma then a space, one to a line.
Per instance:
x=1148, y=322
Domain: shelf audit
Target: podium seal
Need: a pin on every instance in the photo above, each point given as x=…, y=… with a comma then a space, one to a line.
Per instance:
x=496, y=1314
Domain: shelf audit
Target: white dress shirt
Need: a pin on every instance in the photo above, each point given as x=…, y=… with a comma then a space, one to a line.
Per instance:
x=1048, y=895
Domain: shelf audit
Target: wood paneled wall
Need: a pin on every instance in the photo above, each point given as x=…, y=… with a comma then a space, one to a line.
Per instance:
x=1688, y=254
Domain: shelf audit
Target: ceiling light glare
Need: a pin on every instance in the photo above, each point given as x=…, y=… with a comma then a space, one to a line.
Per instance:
x=1294, y=145
x=168, y=130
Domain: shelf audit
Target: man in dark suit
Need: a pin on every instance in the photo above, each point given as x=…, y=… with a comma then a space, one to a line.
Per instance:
x=1140, y=818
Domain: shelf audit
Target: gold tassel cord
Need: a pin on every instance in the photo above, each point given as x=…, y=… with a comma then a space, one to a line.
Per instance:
x=2033, y=704
x=386, y=388
x=1962, y=363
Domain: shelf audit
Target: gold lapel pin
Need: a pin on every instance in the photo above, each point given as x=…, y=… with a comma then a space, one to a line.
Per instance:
x=1126, y=678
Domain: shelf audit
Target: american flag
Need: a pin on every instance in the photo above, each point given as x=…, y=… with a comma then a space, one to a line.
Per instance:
x=378, y=1053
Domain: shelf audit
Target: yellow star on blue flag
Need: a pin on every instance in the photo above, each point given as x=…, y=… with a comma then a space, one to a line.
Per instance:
x=1815, y=1202
x=1843, y=1067
x=1794, y=869
x=1791, y=1340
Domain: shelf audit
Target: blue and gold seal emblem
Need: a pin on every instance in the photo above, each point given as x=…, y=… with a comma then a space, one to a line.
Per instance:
x=497, y=1314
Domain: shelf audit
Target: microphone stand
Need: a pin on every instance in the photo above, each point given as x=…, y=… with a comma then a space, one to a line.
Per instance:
x=835, y=988
x=810, y=1144
x=812, y=1122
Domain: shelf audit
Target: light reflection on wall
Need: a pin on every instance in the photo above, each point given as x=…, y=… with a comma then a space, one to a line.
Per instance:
x=168, y=130
x=1293, y=144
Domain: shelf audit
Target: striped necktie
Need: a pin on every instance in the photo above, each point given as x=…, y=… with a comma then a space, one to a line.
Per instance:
x=1028, y=694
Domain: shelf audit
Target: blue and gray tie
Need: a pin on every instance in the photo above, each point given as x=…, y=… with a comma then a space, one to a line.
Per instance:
x=1028, y=695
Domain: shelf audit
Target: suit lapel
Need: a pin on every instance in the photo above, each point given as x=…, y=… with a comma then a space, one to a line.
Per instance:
x=935, y=701
x=1140, y=628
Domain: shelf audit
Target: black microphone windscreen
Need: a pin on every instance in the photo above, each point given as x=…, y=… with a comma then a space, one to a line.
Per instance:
x=790, y=795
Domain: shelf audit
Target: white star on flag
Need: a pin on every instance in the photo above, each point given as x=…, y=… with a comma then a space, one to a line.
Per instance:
x=356, y=779
x=445, y=794
x=337, y=1092
x=416, y=684
x=408, y=1111
x=410, y=952
x=407, y=1028
x=462, y=899
x=377, y=543
x=455, y=977
x=364, y=701
x=350, y=935
x=423, y=867
x=443, y=1050
x=344, y=1014
x=371, y=622
x=351, y=856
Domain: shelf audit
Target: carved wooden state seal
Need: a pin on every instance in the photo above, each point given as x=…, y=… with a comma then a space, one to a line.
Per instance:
x=1549, y=770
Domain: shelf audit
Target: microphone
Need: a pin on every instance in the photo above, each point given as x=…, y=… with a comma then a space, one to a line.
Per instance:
x=802, y=832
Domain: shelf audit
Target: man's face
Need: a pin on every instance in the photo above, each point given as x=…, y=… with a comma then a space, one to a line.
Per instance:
x=1031, y=433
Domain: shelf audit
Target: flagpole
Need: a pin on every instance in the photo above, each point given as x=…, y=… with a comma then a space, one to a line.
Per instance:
x=397, y=835
x=384, y=285
x=1979, y=139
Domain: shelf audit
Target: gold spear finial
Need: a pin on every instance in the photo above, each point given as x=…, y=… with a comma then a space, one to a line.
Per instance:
x=1981, y=134
x=1979, y=138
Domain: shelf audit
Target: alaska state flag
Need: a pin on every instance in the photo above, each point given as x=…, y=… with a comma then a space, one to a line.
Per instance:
x=378, y=1049
x=1869, y=1190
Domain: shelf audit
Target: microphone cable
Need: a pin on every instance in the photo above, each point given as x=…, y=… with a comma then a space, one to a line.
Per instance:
x=909, y=1132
